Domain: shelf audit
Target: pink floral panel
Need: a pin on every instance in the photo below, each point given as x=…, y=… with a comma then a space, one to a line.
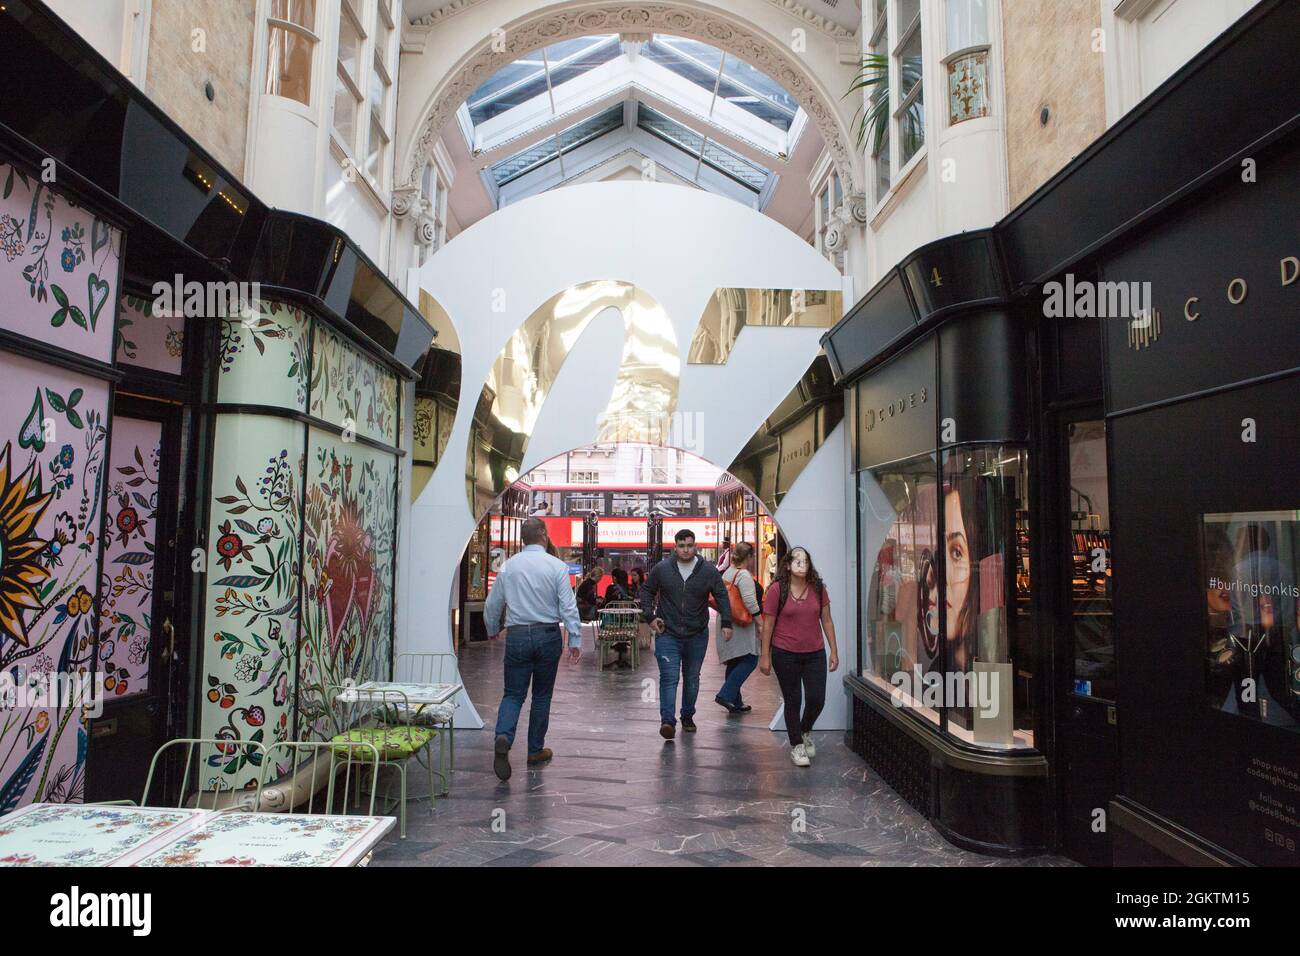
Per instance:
x=126, y=627
x=148, y=340
x=58, y=267
x=52, y=438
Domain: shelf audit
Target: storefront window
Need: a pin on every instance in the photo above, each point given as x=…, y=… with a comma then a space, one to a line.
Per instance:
x=946, y=626
x=900, y=619
x=1250, y=563
x=987, y=625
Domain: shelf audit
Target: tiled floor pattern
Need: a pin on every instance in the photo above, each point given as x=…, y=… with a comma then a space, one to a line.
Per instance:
x=617, y=794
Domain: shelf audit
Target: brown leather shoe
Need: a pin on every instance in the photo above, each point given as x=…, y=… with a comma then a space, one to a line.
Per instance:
x=541, y=756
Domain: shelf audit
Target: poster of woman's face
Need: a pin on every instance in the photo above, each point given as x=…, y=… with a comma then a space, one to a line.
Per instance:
x=961, y=598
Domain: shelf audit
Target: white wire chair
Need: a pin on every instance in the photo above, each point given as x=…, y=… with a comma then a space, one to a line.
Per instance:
x=382, y=717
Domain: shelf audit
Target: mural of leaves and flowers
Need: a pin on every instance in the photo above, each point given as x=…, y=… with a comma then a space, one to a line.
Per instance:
x=348, y=386
x=49, y=573
x=253, y=582
x=69, y=267
x=348, y=553
x=274, y=371
x=148, y=339
x=127, y=581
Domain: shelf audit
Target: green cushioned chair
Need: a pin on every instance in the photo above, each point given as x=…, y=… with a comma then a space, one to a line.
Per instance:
x=361, y=709
x=393, y=743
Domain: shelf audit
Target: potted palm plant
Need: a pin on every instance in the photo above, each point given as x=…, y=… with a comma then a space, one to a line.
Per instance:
x=871, y=121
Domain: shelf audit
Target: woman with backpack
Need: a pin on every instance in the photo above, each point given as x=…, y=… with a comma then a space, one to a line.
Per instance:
x=796, y=613
x=740, y=651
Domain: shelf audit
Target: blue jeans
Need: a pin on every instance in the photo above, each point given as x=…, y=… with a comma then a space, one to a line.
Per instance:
x=680, y=659
x=532, y=654
x=738, y=671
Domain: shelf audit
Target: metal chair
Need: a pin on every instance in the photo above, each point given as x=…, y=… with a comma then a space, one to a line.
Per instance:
x=616, y=629
x=223, y=797
x=383, y=718
x=439, y=668
x=323, y=761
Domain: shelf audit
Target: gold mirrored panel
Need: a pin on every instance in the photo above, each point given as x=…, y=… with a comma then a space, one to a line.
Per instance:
x=640, y=406
x=732, y=309
x=437, y=395
x=779, y=451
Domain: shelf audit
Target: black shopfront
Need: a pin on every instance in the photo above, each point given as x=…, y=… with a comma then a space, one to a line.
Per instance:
x=1078, y=529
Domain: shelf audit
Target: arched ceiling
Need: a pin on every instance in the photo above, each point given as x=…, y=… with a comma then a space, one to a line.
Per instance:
x=637, y=22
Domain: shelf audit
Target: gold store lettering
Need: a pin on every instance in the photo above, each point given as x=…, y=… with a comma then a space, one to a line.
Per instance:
x=1288, y=266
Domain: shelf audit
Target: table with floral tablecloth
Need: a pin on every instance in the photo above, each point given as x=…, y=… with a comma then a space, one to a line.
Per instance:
x=76, y=834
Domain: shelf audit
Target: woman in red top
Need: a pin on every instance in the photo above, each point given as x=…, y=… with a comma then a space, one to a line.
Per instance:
x=795, y=615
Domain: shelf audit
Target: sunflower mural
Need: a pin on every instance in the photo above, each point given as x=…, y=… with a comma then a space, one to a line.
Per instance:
x=50, y=514
x=21, y=573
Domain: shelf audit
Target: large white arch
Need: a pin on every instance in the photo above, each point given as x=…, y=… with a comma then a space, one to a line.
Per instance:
x=678, y=245
x=815, y=61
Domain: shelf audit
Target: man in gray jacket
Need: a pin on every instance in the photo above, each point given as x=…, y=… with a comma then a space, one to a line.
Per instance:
x=675, y=600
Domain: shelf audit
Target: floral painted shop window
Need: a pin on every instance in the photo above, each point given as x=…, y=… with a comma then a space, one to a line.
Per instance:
x=59, y=267
x=52, y=441
x=252, y=594
x=127, y=586
x=147, y=339
x=350, y=391
x=348, y=568
x=264, y=357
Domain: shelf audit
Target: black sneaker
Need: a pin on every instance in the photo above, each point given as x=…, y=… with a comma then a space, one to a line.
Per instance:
x=501, y=762
x=667, y=731
x=731, y=708
x=688, y=725
x=743, y=708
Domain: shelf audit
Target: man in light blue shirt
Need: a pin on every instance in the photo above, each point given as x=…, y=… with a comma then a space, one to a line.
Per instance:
x=533, y=590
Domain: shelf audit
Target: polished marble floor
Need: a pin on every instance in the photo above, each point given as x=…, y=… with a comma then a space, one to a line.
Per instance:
x=617, y=794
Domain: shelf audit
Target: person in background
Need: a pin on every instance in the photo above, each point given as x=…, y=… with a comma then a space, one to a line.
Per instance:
x=638, y=579
x=796, y=613
x=532, y=591
x=724, y=554
x=618, y=587
x=740, y=651
x=588, y=597
x=675, y=600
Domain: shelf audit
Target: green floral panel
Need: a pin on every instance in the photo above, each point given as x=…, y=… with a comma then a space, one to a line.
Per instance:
x=348, y=548
x=350, y=390
x=253, y=580
x=264, y=357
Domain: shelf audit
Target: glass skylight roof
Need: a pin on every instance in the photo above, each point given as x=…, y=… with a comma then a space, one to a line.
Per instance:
x=526, y=160
x=525, y=78
x=724, y=105
x=724, y=77
x=749, y=174
x=733, y=80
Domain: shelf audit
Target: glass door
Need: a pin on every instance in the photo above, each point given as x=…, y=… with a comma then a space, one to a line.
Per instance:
x=1086, y=712
x=142, y=637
